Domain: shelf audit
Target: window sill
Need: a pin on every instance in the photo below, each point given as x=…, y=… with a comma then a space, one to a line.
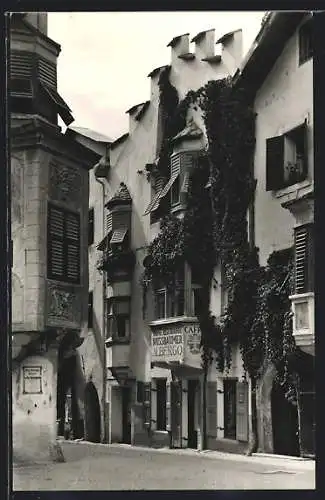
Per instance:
x=292, y=192
x=177, y=319
x=114, y=341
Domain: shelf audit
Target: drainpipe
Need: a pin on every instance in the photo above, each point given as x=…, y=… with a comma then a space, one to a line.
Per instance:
x=102, y=183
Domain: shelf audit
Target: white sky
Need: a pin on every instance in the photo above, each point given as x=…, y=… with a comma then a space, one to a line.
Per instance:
x=106, y=57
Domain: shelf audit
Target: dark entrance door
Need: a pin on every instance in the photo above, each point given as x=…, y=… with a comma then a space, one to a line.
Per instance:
x=229, y=387
x=176, y=414
x=284, y=423
x=92, y=414
x=126, y=415
x=192, y=432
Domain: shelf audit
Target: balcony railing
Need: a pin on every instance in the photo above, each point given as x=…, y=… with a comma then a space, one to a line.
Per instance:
x=303, y=320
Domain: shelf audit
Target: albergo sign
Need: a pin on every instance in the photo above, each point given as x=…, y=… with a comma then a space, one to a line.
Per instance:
x=171, y=342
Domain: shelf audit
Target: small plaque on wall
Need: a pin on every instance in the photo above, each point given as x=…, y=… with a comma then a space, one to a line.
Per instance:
x=32, y=380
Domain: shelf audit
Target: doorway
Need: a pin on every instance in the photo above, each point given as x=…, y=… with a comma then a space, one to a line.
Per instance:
x=284, y=423
x=191, y=405
x=229, y=388
x=126, y=415
x=92, y=414
x=176, y=414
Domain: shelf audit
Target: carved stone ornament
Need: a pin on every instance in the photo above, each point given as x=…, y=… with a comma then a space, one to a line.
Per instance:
x=63, y=306
x=65, y=183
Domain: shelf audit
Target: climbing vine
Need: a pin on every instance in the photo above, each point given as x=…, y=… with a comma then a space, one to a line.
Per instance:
x=214, y=230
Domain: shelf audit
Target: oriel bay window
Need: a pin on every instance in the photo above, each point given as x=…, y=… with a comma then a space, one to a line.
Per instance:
x=286, y=158
x=169, y=300
x=118, y=319
x=63, y=244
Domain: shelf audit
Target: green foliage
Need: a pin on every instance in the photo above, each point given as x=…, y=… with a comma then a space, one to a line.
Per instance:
x=214, y=230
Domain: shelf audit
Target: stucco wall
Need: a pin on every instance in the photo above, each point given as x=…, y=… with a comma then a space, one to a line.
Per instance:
x=284, y=101
x=34, y=415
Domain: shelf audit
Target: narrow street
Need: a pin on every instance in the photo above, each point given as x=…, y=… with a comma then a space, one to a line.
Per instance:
x=102, y=467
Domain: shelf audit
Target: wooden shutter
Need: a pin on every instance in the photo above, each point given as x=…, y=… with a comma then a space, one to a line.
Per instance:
x=108, y=222
x=72, y=234
x=211, y=400
x=47, y=72
x=22, y=64
x=274, y=162
x=242, y=411
x=147, y=405
x=168, y=408
x=55, y=243
x=120, y=220
x=304, y=257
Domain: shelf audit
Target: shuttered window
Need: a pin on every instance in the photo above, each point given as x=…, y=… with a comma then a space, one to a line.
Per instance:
x=63, y=245
x=242, y=411
x=147, y=405
x=47, y=72
x=211, y=409
x=120, y=220
x=22, y=64
x=304, y=259
x=108, y=222
x=274, y=163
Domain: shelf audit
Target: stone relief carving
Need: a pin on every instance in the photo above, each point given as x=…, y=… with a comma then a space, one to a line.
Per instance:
x=63, y=305
x=65, y=183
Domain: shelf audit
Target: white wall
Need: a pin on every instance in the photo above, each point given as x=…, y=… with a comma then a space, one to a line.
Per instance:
x=284, y=101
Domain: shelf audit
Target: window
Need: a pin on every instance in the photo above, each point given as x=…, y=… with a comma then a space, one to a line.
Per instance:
x=175, y=192
x=229, y=387
x=304, y=259
x=305, y=42
x=118, y=319
x=91, y=226
x=90, y=309
x=161, y=403
x=286, y=158
x=63, y=245
x=169, y=301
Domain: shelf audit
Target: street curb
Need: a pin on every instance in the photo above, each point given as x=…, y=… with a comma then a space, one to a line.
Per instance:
x=265, y=459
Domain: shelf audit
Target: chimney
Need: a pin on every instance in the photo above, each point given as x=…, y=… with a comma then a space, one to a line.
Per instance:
x=180, y=45
x=204, y=44
x=38, y=20
x=232, y=49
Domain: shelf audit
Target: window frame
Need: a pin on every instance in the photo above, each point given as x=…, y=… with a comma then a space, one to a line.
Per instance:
x=65, y=242
x=112, y=321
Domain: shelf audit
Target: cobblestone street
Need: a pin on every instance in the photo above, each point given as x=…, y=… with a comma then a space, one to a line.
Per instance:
x=103, y=467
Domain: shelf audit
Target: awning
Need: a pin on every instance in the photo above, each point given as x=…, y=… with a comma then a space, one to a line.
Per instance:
x=119, y=235
x=63, y=109
x=104, y=243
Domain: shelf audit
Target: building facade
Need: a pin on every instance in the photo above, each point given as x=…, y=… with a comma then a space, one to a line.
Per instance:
x=49, y=193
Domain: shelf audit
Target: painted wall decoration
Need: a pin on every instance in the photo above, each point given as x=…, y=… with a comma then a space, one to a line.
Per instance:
x=64, y=306
x=65, y=184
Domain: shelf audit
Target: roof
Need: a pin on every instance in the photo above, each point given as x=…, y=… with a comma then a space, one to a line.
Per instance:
x=176, y=39
x=191, y=131
x=155, y=71
x=139, y=108
x=19, y=18
x=275, y=32
x=119, y=140
x=201, y=35
x=122, y=195
x=226, y=37
x=91, y=134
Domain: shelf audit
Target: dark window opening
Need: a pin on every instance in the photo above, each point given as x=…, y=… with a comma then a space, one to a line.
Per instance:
x=287, y=159
x=63, y=245
x=118, y=320
x=90, y=309
x=305, y=42
x=161, y=404
x=175, y=192
x=229, y=387
x=91, y=226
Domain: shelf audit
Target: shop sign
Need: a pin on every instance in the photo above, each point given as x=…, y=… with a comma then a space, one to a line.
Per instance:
x=167, y=344
x=32, y=380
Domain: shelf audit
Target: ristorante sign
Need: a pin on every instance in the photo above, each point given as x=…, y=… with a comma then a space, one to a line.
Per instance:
x=175, y=342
